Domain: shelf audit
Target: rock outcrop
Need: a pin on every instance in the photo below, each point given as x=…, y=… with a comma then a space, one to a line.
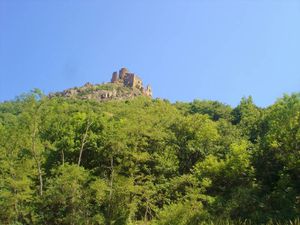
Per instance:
x=124, y=85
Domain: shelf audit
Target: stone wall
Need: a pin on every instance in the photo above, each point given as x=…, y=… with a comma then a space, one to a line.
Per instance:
x=133, y=81
x=137, y=82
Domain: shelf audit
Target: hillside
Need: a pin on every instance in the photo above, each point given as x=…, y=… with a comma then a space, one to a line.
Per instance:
x=68, y=160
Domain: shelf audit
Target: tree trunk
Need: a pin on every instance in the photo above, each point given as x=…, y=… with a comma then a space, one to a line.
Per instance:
x=83, y=142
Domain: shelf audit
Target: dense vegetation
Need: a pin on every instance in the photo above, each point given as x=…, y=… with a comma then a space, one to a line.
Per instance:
x=144, y=161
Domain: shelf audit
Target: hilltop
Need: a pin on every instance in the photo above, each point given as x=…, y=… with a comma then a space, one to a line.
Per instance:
x=123, y=85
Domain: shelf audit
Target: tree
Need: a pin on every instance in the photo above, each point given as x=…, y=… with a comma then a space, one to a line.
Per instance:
x=16, y=173
x=277, y=159
x=247, y=116
x=66, y=199
x=31, y=120
x=214, y=109
x=230, y=181
x=195, y=137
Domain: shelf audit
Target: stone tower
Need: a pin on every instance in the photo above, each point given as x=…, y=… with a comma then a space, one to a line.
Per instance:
x=122, y=73
x=114, y=77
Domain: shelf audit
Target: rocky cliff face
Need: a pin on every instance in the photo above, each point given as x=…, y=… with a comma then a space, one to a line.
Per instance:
x=103, y=92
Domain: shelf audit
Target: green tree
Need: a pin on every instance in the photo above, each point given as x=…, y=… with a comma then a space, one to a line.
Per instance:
x=195, y=137
x=248, y=117
x=277, y=159
x=230, y=181
x=66, y=198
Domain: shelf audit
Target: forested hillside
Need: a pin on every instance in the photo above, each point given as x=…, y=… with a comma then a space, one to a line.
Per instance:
x=148, y=161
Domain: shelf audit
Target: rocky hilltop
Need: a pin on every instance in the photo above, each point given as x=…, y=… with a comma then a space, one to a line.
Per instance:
x=123, y=85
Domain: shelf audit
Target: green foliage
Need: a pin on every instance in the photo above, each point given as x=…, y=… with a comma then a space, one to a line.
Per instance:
x=247, y=116
x=214, y=109
x=143, y=161
x=182, y=213
x=195, y=136
x=65, y=201
x=277, y=159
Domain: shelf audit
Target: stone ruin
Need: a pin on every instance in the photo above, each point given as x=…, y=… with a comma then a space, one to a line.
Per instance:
x=132, y=83
x=130, y=80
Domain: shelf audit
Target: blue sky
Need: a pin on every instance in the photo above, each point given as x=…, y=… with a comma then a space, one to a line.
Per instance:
x=186, y=49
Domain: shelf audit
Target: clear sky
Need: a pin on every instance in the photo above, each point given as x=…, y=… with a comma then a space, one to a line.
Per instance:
x=186, y=49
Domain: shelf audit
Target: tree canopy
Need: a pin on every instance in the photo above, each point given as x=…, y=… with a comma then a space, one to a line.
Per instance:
x=144, y=161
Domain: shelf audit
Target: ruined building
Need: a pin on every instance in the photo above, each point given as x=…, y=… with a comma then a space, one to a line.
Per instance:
x=130, y=80
x=124, y=85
